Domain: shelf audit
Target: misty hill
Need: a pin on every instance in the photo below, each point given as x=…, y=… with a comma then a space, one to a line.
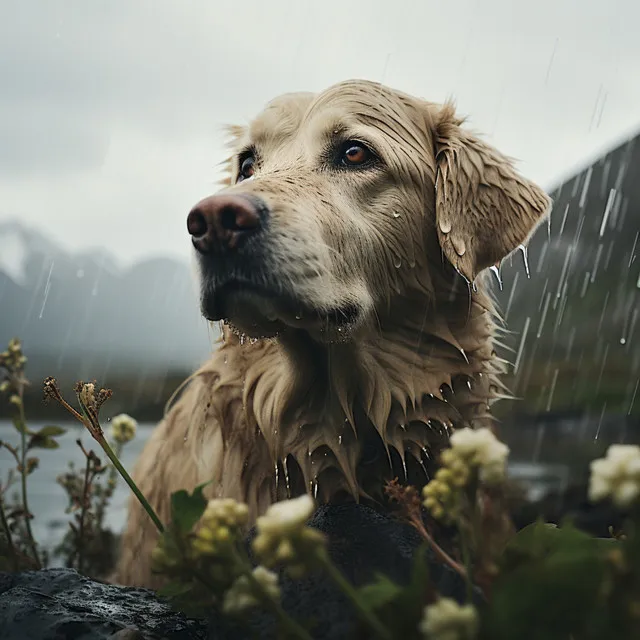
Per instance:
x=575, y=321
x=80, y=316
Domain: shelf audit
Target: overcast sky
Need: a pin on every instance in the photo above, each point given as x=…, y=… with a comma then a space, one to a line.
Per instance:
x=110, y=112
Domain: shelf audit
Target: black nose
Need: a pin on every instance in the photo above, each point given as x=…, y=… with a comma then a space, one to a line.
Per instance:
x=223, y=222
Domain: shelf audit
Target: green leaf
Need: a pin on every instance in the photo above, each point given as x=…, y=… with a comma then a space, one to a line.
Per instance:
x=549, y=585
x=51, y=430
x=379, y=593
x=186, y=509
x=37, y=442
x=538, y=540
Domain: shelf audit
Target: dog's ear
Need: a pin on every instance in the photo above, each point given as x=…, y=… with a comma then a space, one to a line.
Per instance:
x=484, y=208
x=234, y=134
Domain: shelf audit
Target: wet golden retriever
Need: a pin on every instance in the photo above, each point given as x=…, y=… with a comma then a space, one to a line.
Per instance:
x=344, y=257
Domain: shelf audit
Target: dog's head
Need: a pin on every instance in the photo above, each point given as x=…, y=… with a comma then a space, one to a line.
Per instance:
x=340, y=202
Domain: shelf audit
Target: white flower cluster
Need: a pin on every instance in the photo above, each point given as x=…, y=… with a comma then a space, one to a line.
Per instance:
x=219, y=524
x=617, y=475
x=480, y=448
x=447, y=620
x=284, y=538
x=242, y=593
x=123, y=428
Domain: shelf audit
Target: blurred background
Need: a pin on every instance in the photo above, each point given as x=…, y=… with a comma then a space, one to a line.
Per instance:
x=111, y=119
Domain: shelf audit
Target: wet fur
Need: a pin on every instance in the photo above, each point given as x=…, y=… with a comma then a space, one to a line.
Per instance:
x=335, y=415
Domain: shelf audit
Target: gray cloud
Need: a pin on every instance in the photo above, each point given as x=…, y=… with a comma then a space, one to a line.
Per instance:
x=110, y=112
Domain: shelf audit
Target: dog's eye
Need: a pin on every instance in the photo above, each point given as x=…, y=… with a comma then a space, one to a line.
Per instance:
x=355, y=154
x=247, y=168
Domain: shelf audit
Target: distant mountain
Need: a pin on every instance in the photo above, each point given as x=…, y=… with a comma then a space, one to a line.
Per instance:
x=576, y=319
x=81, y=316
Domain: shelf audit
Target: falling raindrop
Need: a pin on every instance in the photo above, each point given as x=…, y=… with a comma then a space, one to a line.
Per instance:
x=552, y=389
x=525, y=330
x=633, y=397
x=544, y=314
x=511, y=294
x=604, y=408
x=47, y=288
x=607, y=210
x=564, y=219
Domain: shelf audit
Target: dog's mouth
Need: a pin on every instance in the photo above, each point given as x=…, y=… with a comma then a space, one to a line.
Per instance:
x=262, y=311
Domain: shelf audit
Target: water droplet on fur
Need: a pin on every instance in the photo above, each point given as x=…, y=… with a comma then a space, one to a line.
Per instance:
x=623, y=341
x=315, y=487
x=242, y=338
x=285, y=469
x=185, y=438
x=496, y=273
x=339, y=439
x=277, y=476
x=226, y=358
x=299, y=315
x=397, y=262
x=396, y=214
x=525, y=259
x=253, y=340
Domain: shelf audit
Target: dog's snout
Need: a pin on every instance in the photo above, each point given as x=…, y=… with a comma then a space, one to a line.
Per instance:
x=224, y=221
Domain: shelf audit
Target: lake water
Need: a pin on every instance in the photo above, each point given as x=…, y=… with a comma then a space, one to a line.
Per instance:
x=48, y=500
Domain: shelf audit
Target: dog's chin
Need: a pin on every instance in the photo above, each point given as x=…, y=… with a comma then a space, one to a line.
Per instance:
x=259, y=313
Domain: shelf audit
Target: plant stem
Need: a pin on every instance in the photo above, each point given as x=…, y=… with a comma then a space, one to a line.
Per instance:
x=7, y=532
x=441, y=554
x=466, y=555
x=23, y=478
x=347, y=588
x=112, y=479
x=127, y=478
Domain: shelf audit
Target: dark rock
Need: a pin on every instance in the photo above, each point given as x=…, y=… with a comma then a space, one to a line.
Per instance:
x=59, y=603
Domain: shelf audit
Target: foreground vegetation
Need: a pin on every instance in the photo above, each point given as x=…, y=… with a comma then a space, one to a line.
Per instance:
x=541, y=582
